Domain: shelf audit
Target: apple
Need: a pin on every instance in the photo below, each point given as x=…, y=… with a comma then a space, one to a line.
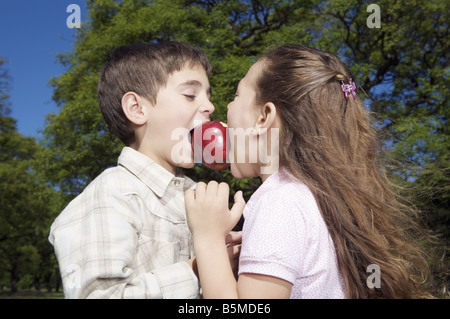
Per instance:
x=210, y=144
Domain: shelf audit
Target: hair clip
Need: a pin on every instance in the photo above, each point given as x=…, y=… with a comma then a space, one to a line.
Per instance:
x=348, y=88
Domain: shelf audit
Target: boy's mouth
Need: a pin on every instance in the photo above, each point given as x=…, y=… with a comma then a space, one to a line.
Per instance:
x=197, y=124
x=190, y=135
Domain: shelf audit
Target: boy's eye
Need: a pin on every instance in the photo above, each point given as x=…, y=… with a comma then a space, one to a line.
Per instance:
x=190, y=97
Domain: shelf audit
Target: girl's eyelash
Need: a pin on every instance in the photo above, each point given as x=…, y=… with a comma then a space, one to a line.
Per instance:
x=190, y=97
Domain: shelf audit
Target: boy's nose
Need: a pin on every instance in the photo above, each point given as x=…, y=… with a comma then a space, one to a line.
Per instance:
x=208, y=108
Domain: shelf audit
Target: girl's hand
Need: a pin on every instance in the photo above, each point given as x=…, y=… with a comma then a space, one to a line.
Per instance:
x=233, y=242
x=207, y=211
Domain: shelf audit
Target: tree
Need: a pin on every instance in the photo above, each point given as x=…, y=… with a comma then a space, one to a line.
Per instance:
x=26, y=203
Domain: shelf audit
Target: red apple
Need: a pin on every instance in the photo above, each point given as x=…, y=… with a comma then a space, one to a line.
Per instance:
x=210, y=144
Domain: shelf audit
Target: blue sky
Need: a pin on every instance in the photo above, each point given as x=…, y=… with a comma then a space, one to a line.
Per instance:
x=32, y=32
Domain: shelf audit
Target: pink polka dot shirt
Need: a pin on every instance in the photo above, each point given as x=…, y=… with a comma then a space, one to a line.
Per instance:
x=285, y=236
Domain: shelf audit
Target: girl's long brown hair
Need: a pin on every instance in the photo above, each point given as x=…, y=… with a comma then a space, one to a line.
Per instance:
x=330, y=144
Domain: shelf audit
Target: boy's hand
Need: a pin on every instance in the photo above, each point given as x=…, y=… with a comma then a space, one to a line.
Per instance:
x=233, y=242
x=207, y=211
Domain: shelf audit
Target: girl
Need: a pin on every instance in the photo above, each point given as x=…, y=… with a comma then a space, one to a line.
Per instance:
x=326, y=224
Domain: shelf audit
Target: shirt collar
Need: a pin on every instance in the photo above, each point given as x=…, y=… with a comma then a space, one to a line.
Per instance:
x=149, y=172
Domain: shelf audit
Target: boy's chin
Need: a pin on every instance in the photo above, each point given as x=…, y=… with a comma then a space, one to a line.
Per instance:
x=185, y=164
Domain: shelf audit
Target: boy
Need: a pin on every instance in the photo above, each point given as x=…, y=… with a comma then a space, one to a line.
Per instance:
x=126, y=235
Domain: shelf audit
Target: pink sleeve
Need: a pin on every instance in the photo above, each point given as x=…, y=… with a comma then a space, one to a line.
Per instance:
x=274, y=236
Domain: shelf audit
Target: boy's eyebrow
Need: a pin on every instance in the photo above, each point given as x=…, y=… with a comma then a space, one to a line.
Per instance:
x=195, y=83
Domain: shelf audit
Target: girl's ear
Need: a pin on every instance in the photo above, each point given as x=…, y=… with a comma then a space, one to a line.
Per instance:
x=133, y=108
x=266, y=119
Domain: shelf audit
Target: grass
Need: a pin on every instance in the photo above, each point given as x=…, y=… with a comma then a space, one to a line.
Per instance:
x=31, y=294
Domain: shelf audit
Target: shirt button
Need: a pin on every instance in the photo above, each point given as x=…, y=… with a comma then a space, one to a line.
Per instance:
x=176, y=183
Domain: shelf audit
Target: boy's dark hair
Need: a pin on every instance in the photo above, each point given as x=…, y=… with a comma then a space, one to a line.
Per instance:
x=143, y=69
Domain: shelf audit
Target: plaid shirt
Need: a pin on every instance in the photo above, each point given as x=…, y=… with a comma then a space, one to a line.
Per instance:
x=126, y=235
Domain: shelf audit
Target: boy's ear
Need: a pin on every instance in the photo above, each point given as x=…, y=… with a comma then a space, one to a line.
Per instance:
x=266, y=119
x=133, y=108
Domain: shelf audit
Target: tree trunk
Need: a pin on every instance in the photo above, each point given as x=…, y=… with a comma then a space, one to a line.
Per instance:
x=14, y=277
